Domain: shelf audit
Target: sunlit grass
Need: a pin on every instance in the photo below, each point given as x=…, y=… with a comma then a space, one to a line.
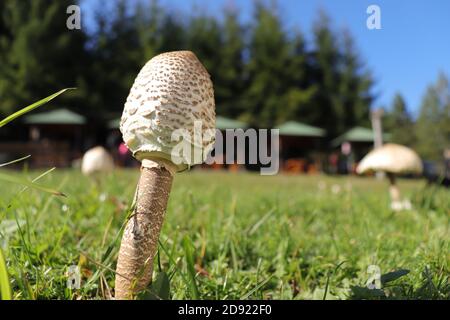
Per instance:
x=230, y=236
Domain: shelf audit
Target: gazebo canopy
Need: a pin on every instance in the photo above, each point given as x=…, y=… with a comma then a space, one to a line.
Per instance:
x=59, y=116
x=293, y=128
x=223, y=123
x=358, y=134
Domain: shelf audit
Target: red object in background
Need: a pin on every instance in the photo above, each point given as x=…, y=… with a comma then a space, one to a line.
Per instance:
x=125, y=159
x=123, y=150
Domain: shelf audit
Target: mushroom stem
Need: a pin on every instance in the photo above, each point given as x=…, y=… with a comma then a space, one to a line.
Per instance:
x=394, y=191
x=141, y=234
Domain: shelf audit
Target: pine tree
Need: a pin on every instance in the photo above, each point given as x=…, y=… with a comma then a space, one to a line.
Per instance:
x=399, y=123
x=39, y=54
x=117, y=55
x=229, y=85
x=173, y=34
x=151, y=29
x=353, y=105
x=298, y=101
x=266, y=68
x=344, y=84
x=433, y=122
x=204, y=39
x=326, y=75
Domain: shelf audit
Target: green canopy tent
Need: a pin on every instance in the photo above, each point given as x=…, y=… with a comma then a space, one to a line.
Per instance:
x=223, y=123
x=298, y=129
x=301, y=143
x=357, y=135
x=59, y=133
x=55, y=117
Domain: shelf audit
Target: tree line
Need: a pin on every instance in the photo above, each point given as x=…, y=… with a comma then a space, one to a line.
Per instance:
x=263, y=73
x=429, y=133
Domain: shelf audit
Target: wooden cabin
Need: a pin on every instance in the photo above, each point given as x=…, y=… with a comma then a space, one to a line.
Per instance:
x=55, y=138
x=300, y=147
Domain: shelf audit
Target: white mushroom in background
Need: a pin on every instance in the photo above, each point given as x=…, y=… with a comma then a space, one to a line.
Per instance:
x=172, y=92
x=393, y=159
x=97, y=161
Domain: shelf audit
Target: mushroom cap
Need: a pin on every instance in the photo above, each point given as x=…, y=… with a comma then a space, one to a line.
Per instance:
x=393, y=158
x=97, y=160
x=172, y=91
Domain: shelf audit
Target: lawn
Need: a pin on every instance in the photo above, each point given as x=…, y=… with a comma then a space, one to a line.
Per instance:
x=231, y=236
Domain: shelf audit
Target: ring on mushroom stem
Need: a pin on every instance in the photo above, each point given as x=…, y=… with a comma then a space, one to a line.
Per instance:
x=393, y=159
x=171, y=92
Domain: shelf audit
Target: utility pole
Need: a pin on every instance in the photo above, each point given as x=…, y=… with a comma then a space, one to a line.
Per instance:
x=377, y=128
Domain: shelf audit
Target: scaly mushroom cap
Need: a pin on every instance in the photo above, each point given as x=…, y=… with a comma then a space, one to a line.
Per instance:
x=392, y=158
x=97, y=160
x=172, y=91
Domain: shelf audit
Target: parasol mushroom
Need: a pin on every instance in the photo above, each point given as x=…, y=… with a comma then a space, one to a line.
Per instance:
x=95, y=161
x=393, y=159
x=173, y=91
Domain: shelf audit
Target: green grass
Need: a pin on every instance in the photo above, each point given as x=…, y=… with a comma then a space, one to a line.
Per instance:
x=231, y=236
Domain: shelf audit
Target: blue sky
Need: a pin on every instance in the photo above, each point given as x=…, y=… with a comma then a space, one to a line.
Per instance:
x=406, y=55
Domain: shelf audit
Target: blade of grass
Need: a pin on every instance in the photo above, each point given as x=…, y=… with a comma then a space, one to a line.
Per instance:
x=248, y=294
x=174, y=263
x=190, y=267
x=39, y=177
x=260, y=221
x=5, y=288
x=329, y=277
x=31, y=107
x=13, y=179
x=14, y=161
x=101, y=264
x=113, y=244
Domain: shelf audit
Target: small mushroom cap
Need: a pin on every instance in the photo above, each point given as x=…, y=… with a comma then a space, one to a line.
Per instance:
x=172, y=91
x=393, y=158
x=97, y=160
